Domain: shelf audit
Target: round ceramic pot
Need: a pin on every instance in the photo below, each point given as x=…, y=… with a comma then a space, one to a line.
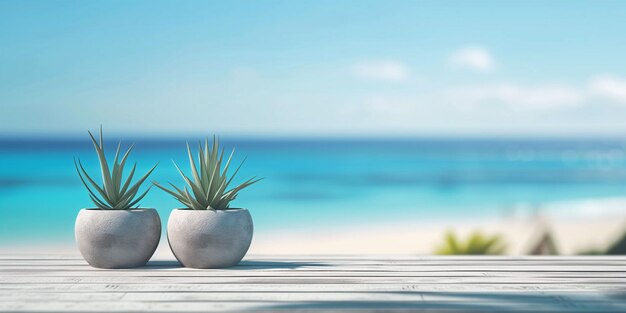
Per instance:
x=117, y=238
x=209, y=238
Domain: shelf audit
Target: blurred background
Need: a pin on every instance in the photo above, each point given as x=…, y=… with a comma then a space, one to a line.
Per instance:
x=381, y=127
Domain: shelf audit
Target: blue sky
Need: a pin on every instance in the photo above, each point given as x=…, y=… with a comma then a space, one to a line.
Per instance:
x=327, y=68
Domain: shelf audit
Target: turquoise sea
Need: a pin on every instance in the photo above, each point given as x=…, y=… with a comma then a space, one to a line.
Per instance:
x=322, y=183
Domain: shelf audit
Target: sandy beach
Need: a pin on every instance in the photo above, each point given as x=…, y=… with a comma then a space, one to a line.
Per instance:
x=576, y=226
x=571, y=236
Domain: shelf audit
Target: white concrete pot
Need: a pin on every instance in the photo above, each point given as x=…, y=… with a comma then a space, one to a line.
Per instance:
x=209, y=238
x=117, y=238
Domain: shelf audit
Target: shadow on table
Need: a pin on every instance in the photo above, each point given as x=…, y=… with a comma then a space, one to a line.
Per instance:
x=288, y=265
x=243, y=265
x=474, y=302
x=161, y=264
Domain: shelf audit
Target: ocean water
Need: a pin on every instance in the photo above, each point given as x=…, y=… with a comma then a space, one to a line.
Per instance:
x=323, y=183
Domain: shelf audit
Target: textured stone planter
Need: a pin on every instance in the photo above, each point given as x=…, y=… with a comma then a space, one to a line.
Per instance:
x=117, y=238
x=209, y=239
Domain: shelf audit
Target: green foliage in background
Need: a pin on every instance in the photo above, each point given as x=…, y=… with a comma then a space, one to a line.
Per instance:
x=476, y=244
x=209, y=187
x=619, y=247
x=115, y=193
x=616, y=248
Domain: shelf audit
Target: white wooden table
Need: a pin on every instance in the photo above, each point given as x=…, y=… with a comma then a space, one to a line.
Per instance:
x=337, y=283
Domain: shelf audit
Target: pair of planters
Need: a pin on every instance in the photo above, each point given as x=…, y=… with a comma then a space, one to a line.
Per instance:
x=197, y=238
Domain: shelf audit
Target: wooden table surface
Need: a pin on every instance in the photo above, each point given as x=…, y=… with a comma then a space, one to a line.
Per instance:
x=53, y=283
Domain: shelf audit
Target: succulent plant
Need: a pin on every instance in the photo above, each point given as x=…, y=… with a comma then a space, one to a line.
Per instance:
x=115, y=193
x=209, y=188
x=475, y=244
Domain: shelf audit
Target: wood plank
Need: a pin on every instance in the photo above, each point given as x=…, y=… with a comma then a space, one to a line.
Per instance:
x=268, y=306
x=382, y=267
x=309, y=280
x=274, y=274
x=390, y=268
x=245, y=287
x=51, y=283
x=297, y=296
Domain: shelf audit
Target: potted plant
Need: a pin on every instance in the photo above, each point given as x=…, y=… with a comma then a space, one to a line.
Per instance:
x=207, y=232
x=116, y=233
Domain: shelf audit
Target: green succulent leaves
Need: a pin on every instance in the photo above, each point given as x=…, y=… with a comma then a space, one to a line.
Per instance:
x=207, y=189
x=476, y=244
x=115, y=193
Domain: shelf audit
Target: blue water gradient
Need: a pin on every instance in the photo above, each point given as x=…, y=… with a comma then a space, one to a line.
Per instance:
x=318, y=183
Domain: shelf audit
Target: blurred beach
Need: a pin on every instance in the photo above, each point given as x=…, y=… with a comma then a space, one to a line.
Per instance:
x=346, y=196
x=378, y=126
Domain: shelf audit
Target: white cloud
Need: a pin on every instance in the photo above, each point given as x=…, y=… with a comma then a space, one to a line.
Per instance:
x=538, y=97
x=608, y=86
x=517, y=96
x=473, y=58
x=382, y=70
